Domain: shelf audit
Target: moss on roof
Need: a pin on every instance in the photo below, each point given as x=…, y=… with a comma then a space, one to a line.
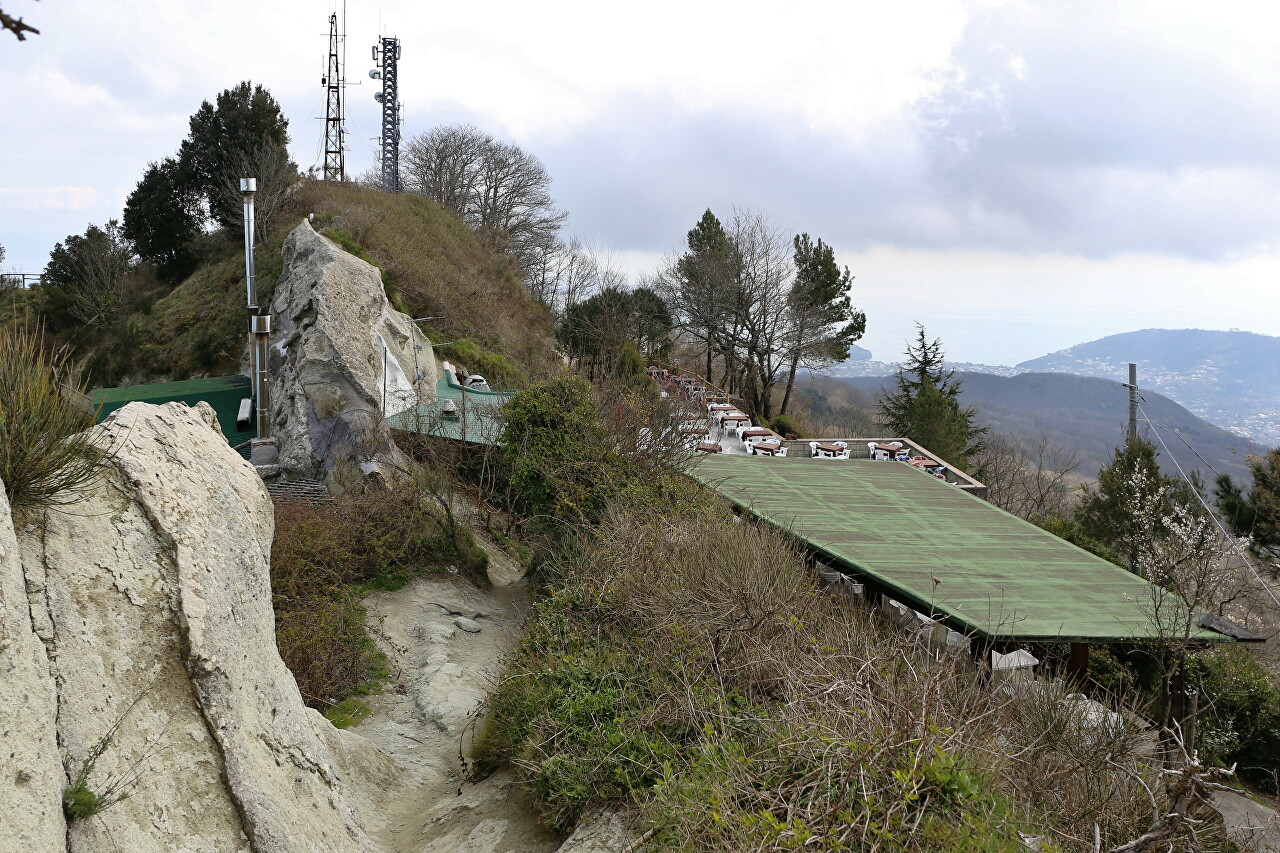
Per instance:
x=997, y=575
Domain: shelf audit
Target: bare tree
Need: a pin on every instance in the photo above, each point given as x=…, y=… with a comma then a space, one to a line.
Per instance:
x=276, y=175
x=500, y=190
x=566, y=273
x=1029, y=480
x=444, y=163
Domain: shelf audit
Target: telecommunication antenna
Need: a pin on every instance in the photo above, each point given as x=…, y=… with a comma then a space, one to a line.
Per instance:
x=333, y=82
x=387, y=53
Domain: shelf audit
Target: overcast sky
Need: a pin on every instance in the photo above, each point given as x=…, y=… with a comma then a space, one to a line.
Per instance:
x=1019, y=177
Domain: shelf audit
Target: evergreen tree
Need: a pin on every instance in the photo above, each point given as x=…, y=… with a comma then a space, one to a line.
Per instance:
x=244, y=120
x=706, y=274
x=1256, y=514
x=939, y=414
x=938, y=423
x=1132, y=479
x=162, y=219
x=823, y=321
x=87, y=275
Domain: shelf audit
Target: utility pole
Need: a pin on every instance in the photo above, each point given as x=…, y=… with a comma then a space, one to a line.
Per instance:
x=333, y=82
x=1133, y=401
x=387, y=54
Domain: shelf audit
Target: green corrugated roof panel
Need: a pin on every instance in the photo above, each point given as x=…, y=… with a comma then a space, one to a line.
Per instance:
x=477, y=420
x=224, y=393
x=1000, y=577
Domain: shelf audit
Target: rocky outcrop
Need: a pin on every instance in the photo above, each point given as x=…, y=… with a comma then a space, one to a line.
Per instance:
x=31, y=779
x=343, y=360
x=149, y=602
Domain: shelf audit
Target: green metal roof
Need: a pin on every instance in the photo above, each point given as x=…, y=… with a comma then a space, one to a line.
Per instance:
x=477, y=420
x=224, y=393
x=1000, y=577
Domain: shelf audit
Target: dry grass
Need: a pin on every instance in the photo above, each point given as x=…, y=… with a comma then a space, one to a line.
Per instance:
x=440, y=268
x=324, y=559
x=686, y=664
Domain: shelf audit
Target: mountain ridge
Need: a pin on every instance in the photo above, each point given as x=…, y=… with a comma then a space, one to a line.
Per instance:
x=1088, y=416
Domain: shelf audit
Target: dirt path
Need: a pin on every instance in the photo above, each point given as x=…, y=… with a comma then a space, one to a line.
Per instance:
x=441, y=674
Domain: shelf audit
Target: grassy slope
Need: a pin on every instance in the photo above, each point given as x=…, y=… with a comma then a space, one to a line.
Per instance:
x=440, y=269
x=435, y=264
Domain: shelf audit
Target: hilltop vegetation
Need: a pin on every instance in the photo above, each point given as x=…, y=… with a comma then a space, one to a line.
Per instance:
x=686, y=666
x=431, y=262
x=162, y=296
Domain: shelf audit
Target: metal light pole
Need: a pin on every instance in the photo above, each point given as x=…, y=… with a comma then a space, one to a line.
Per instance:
x=259, y=323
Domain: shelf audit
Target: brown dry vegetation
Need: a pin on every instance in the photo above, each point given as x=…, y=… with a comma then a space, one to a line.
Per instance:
x=326, y=557
x=686, y=665
x=439, y=268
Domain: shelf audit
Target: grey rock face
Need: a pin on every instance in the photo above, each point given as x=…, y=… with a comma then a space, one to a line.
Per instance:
x=342, y=361
x=151, y=600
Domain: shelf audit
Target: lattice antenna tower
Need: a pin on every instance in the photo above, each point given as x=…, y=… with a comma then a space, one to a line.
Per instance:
x=387, y=54
x=335, y=168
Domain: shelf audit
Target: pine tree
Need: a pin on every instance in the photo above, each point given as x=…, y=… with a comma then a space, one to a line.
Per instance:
x=245, y=120
x=1132, y=479
x=823, y=321
x=939, y=415
x=162, y=219
x=1256, y=514
x=706, y=275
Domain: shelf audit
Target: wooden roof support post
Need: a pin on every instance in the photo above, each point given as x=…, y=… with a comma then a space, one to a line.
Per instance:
x=1078, y=663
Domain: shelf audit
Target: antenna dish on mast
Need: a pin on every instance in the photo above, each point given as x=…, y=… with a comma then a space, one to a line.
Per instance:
x=375, y=73
x=377, y=96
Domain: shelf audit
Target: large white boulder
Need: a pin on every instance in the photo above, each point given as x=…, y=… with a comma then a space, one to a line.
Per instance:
x=31, y=777
x=343, y=360
x=151, y=600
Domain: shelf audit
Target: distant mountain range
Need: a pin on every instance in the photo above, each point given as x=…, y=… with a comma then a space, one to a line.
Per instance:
x=1088, y=415
x=1231, y=379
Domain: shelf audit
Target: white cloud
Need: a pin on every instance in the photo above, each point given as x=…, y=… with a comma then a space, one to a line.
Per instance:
x=47, y=198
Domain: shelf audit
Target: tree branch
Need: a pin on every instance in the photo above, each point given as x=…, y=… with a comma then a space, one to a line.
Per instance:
x=16, y=26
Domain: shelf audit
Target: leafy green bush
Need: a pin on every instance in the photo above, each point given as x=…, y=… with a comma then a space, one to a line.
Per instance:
x=784, y=425
x=45, y=459
x=1239, y=712
x=560, y=460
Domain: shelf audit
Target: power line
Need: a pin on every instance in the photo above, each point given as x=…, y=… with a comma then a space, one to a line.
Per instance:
x=1217, y=521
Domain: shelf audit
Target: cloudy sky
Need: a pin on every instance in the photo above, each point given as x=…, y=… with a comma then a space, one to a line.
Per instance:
x=1019, y=177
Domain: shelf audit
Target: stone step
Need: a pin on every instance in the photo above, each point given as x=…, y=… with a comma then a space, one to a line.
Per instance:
x=297, y=490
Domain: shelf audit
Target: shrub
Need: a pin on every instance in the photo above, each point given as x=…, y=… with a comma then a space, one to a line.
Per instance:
x=686, y=665
x=45, y=457
x=327, y=556
x=1239, y=712
x=560, y=461
x=498, y=369
x=785, y=425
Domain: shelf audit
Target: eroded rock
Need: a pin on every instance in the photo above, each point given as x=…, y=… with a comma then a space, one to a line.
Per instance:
x=152, y=600
x=343, y=360
x=31, y=779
